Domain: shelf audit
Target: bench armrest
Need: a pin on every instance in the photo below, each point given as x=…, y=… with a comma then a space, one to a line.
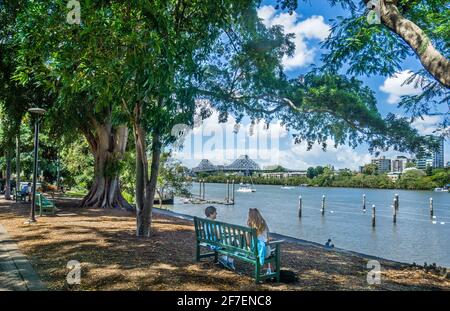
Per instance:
x=275, y=242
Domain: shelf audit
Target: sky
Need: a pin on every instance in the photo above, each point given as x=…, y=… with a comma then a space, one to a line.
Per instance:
x=274, y=146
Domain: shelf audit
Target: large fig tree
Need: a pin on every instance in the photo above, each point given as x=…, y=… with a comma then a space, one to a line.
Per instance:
x=70, y=61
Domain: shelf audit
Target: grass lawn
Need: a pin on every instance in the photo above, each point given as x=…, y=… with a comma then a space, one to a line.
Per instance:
x=75, y=193
x=112, y=258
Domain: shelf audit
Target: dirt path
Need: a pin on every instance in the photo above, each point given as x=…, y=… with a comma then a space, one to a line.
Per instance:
x=112, y=258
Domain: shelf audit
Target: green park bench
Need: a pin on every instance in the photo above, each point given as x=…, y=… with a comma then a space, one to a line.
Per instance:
x=45, y=205
x=235, y=241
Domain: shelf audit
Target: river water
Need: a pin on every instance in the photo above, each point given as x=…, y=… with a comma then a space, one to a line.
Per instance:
x=416, y=237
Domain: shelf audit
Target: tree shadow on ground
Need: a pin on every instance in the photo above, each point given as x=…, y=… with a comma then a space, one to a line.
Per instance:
x=112, y=257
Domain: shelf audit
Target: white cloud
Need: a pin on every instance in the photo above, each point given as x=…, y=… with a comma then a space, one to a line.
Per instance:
x=266, y=13
x=341, y=157
x=313, y=27
x=395, y=87
x=427, y=125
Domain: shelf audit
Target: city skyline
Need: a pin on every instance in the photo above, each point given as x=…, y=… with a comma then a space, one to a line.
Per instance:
x=385, y=165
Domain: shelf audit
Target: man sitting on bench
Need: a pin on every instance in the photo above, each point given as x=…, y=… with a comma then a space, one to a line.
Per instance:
x=25, y=192
x=224, y=260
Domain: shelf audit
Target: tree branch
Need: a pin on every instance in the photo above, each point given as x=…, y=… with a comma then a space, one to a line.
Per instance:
x=284, y=102
x=433, y=61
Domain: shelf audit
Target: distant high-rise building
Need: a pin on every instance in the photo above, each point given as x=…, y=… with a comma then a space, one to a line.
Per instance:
x=383, y=164
x=399, y=164
x=435, y=159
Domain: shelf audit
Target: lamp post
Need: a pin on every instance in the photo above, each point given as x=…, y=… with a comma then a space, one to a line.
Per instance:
x=37, y=112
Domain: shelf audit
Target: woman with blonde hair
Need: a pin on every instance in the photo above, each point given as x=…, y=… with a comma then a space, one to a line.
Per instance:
x=255, y=220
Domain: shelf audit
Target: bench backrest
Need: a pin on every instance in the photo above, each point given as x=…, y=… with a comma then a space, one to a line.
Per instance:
x=232, y=237
x=41, y=199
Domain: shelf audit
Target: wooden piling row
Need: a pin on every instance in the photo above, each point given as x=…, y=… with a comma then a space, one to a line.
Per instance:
x=230, y=188
x=201, y=189
x=395, y=207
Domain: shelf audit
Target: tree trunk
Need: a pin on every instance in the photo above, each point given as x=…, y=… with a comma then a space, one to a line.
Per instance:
x=142, y=209
x=150, y=188
x=8, y=176
x=18, y=161
x=108, y=147
x=145, y=185
x=432, y=60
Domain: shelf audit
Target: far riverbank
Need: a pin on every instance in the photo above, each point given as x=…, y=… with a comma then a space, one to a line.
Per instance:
x=413, y=180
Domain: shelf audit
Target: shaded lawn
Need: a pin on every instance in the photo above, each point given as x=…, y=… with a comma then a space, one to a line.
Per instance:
x=112, y=258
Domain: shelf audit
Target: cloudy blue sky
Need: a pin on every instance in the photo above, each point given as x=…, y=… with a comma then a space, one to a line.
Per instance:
x=310, y=24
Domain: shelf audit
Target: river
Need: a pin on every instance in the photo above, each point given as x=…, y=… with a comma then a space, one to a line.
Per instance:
x=416, y=237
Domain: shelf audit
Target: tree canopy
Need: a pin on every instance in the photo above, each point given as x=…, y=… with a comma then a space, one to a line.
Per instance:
x=144, y=65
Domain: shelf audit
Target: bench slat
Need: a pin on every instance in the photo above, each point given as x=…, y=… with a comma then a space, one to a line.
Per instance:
x=276, y=242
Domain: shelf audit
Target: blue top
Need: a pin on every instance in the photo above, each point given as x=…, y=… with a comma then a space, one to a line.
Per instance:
x=262, y=246
x=24, y=190
x=261, y=251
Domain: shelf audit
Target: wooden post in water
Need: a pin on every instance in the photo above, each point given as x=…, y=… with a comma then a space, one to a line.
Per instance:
x=232, y=189
x=394, y=214
x=397, y=204
x=204, y=192
x=373, y=215
x=322, y=210
x=431, y=207
x=300, y=203
x=200, y=189
x=364, y=202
